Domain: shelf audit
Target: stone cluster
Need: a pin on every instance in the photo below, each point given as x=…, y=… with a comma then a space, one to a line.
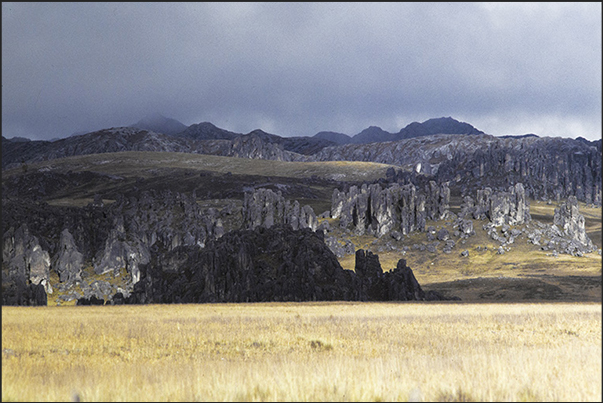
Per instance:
x=111, y=237
x=510, y=208
x=571, y=223
x=265, y=208
x=377, y=211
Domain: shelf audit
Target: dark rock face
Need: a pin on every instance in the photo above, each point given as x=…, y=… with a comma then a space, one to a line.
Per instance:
x=265, y=208
x=571, y=222
x=377, y=211
x=265, y=264
x=90, y=301
x=268, y=264
x=17, y=291
x=399, y=284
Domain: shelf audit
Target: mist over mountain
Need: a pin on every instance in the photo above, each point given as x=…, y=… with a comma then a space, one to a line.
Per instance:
x=160, y=124
x=335, y=137
x=206, y=131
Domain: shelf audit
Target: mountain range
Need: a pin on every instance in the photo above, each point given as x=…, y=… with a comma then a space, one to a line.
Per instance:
x=158, y=133
x=372, y=134
x=444, y=148
x=123, y=213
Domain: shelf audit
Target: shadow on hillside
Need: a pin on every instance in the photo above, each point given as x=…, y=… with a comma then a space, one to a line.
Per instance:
x=528, y=288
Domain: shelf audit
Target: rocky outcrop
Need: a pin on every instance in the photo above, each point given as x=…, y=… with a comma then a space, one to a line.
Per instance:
x=398, y=284
x=501, y=208
x=26, y=280
x=108, y=236
x=17, y=291
x=265, y=208
x=269, y=264
x=549, y=168
x=377, y=211
x=68, y=261
x=253, y=146
x=568, y=218
x=25, y=258
x=168, y=219
x=264, y=264
x=120, y=253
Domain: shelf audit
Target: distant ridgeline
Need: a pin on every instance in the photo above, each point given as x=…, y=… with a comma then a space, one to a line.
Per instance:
x=443, y=149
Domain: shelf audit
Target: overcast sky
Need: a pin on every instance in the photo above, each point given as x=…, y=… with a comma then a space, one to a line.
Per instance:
x=295, y=69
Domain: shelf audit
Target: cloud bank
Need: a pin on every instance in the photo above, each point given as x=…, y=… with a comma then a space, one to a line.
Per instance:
x=294, y=69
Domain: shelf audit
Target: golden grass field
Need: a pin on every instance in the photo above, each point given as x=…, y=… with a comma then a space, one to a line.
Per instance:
x=303, y=351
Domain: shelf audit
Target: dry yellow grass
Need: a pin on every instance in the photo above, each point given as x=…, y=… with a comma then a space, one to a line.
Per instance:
x=143, y=163
x=303, y=351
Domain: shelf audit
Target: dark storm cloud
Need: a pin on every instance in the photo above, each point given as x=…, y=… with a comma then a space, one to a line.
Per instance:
x=299, y=68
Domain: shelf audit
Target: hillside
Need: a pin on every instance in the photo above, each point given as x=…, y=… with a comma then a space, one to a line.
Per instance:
x=111, y=216
x=70, y=187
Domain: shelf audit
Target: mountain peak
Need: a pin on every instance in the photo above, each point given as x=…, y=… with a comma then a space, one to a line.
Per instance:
x=158, y=123
x=443, y=125
x=338, y=138
x=373, y=134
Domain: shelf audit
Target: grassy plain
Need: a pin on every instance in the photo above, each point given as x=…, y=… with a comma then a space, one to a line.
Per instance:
x=303, y=351
x=147, y=164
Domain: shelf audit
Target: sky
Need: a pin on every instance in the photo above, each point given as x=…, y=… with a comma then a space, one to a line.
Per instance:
x=295, y=69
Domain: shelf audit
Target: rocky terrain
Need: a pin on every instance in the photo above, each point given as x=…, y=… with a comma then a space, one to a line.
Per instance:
x=447, y=150
x=271, y=264
x=96, y=231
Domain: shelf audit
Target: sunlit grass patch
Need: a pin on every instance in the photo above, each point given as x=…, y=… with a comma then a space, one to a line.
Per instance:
x=303, y=351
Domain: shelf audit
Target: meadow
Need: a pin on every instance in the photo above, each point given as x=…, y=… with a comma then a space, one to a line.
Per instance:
x=336, y=351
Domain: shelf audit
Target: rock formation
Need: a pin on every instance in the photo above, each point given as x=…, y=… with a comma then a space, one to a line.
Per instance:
x=110, y=237
x=68, y=261
x=377, y=211
x=399, y=284
x=25, y=258
x=265, y=208
x=571, y=223
x=501, y=208
x=269, y=264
